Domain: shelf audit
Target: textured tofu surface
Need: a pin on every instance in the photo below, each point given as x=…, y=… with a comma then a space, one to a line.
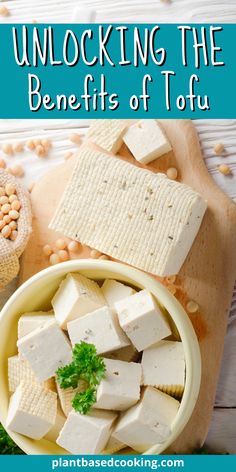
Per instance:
x=107, y=134
x=164, y=366
x=66, y=396
x=149, y=422
x=132, y=214
x=46, y=349
x=101, y=328
x=120, y=388
x=146, y=140
x=114, y=291
x=30, y=321
x=19, y=370
x=32, y=411
x=86, y=434
x=142, y=319
x=76, y=296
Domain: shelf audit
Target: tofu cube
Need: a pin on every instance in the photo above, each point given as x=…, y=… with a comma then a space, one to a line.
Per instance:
x=147, y=141
x=114, y=291
x=31, y=321
x=149, y=422
x=101, y=328
x=76, y=296
x=142, y=320
x=113, y=445
x=164, y=366
x=120, y=388
x=46, y=349
x=127, y=354
x=107, y=134
x=66, y=395
x=86, y=434
x=32, y=410
x=19, y=370
x=54, y=432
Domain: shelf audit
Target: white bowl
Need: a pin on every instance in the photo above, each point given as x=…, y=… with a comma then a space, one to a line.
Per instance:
x=36, y=294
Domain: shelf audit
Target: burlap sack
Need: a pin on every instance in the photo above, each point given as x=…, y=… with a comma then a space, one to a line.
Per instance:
x=10, y=251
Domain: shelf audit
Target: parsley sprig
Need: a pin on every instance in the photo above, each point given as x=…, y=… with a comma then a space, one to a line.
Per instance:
x=83, y=401
x=7, y=445
x=86, y=365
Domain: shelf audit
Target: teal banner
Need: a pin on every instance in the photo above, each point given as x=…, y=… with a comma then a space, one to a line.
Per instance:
x=117, y=71
x=190, y=463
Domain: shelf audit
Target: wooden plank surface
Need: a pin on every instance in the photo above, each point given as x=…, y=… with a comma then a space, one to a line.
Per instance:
x=207, y=276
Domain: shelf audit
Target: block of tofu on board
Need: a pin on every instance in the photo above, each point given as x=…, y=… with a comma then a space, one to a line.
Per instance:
x=114, y=291
x=76, y=296
x=129, y=213
x=120, y=388
x=19, y=370
x=86, y=434
x=66, y=395
x=127, y=354
x=30, y=321
x=32, y=410
x=148, y=422
x=146, y=140
x=46, y=349
x=142, y=320
x=54, y=432
x=113, y=445
x=107, y=134
x=163, y=366
x=101, y=328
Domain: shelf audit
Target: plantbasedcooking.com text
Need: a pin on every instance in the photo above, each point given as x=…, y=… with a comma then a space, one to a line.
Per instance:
x=114, y=462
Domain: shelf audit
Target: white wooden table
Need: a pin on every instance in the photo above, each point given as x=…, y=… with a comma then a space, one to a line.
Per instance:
x=222, y=433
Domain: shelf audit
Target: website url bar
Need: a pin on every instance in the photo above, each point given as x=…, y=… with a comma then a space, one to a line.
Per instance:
x=114, y=462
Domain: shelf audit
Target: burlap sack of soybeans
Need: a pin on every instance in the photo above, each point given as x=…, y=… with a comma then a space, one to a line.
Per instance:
x=10, y=251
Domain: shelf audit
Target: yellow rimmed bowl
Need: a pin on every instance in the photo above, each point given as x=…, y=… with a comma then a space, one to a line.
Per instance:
x=36, y=294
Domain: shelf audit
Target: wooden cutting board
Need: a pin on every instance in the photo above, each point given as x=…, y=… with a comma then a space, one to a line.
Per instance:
x=207, y=276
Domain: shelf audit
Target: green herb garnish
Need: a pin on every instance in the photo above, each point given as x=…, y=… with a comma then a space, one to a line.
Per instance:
x=7, y=445
x=83, y=401
x=68, y=376
x=88, y=366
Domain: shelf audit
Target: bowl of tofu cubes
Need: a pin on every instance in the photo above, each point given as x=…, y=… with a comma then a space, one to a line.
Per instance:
x=96, y=357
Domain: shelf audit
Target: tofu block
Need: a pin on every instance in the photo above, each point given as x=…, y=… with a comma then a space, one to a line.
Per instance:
x=19, y=370
x=127, y=354
x=76, y=296
x=120, y=388
x=146, y=140
x=30, y=321
x=149, y=422
x=54, y=432
x=113, y=445
x=114, y=291
x=46, y=349
x=107, y=134
x=142, y=320
x=86, y=434
x=134, y=215
x=101, y=328
x=66, y=395
x=163, y=366
x=32, y=410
